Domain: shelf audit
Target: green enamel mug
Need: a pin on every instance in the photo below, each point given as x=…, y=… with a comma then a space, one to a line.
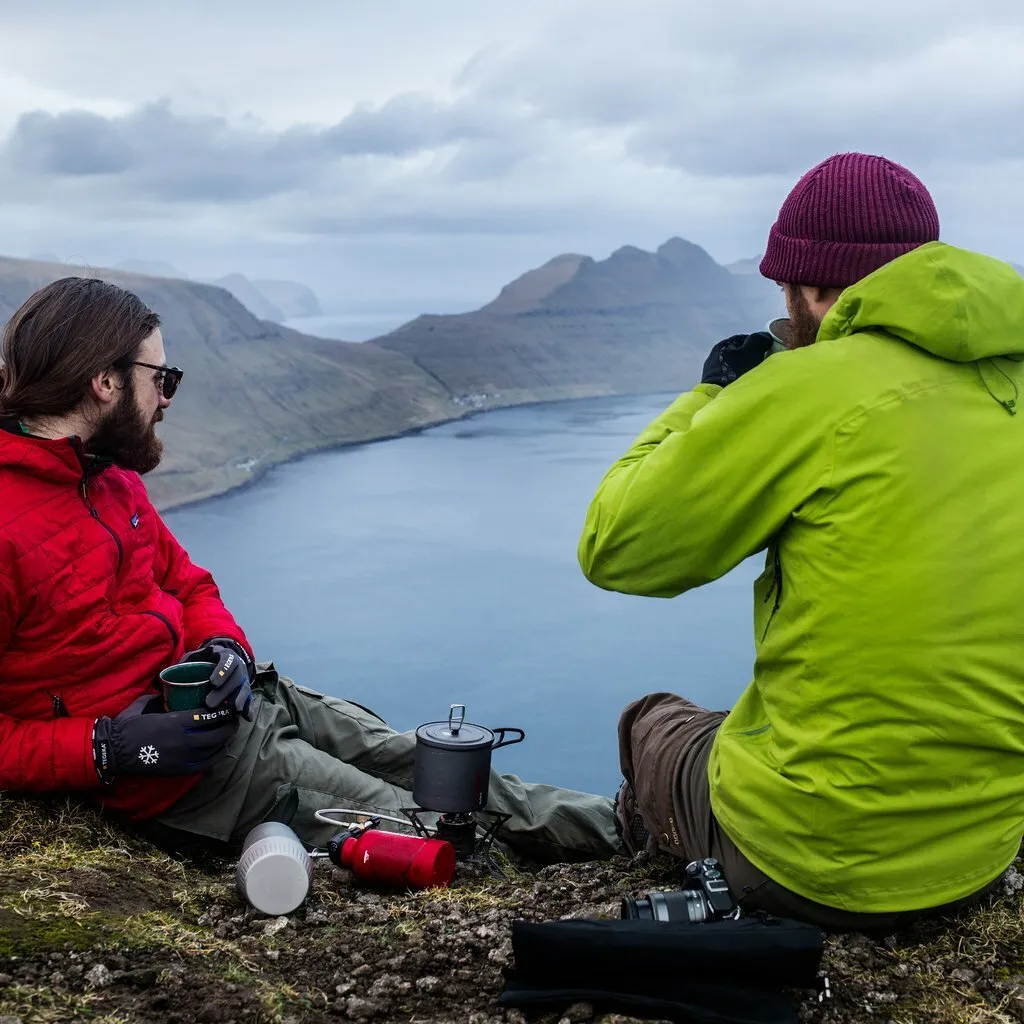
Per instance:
x=186, y=685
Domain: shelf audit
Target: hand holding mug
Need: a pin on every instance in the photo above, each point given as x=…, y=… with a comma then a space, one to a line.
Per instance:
x=228, y=676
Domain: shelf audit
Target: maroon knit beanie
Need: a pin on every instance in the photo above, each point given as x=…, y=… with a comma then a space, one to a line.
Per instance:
x=845, y=218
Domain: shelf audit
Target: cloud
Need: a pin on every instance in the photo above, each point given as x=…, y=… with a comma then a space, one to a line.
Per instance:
x=158, y=153
x=730, y=89
x=584, y=124
x=72, y=144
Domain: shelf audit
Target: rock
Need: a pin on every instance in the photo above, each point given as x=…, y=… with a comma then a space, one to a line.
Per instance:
x=428, y=983
x=362, y=970
x=1013, y=881
x=388, y=985
x=277, y=925
x=343, y=877
x=357, y=1008
x=964, y=974
x=577, y=1013
x=501, y=955
x=272, y=954
x=10, y=1020
x=99, y=976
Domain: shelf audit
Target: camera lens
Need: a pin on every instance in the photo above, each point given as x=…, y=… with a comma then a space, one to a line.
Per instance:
x=687, y=906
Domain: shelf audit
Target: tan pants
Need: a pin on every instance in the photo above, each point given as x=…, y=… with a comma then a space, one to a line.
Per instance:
x=664, y=745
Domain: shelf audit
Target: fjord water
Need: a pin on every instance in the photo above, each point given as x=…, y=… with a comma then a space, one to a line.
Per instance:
x=441, y=568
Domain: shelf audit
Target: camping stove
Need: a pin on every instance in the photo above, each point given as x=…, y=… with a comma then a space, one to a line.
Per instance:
x=451, y=776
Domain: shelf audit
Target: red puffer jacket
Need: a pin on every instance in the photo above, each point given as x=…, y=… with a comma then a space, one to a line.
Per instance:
x=96, y=597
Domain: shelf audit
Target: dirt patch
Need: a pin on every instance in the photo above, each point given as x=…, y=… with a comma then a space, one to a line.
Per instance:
x=172, y=942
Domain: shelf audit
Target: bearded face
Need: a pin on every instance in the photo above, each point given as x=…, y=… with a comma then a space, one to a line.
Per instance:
x=127, y=435
x=803, y=324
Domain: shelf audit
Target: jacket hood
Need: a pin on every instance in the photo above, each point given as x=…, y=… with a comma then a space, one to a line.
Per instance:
x=956, y=304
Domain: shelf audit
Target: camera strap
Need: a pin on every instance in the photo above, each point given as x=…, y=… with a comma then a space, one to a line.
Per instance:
x=726, y=972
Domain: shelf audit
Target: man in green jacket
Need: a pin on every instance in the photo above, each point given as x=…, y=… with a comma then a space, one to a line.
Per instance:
x=873, y=771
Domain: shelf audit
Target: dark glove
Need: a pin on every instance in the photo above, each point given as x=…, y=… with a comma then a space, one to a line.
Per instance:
x=231, y=677
x=734, y=356
x=145, y=740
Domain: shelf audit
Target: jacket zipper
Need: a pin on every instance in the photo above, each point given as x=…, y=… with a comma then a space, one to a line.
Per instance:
x=95, y=514
x=59, y=710
x=167, y=622
x=120, y=558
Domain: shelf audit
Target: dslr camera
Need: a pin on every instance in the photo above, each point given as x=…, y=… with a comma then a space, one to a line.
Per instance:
x=706, y=897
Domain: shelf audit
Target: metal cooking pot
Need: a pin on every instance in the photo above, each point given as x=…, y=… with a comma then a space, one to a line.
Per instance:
x=453, y=762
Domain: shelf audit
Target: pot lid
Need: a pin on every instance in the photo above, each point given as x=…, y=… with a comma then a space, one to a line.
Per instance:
x=455, y=734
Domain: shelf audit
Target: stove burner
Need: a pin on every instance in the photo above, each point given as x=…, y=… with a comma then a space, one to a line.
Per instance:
x=461, y=831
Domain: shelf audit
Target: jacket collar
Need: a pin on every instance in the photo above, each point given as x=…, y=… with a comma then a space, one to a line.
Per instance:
x=52, y=458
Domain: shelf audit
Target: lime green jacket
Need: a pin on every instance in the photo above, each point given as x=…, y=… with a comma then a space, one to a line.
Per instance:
x=876, y=761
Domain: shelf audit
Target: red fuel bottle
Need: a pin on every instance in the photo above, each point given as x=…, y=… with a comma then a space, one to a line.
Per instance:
x=390, y=858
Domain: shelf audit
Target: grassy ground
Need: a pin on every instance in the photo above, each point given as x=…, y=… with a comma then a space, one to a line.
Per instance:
x=98, y=925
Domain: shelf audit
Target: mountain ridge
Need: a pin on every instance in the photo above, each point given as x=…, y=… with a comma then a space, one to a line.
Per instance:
x=256, y=393
x=269, y=299
x=635, y=322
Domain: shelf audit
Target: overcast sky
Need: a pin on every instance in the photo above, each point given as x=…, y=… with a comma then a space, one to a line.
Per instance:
x=416, y=155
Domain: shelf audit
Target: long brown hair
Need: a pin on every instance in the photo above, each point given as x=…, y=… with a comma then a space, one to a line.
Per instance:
x=61, y=337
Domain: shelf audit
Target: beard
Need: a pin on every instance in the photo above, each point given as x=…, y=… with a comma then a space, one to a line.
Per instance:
x=126, y=438
x=803, y=324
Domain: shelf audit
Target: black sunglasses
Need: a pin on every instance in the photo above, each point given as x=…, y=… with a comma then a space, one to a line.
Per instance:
x=169, y=380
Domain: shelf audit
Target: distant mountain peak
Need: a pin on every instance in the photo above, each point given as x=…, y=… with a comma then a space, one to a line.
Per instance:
x=682, y=253
x=678, y=244
x=529, y=289
x=629, y=252
x=751, y=265
x=250, y=296
x=293, y=298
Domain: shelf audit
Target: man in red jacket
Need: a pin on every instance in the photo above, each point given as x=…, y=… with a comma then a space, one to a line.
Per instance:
x=97, y=597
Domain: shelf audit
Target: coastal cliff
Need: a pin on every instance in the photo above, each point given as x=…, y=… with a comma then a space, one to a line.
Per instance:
x=256, y=393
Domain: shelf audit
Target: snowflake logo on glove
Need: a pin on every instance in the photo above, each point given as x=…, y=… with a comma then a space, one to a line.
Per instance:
x=149, y=755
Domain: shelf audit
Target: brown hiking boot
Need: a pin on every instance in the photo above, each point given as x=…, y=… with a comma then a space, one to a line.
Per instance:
x=629, y=823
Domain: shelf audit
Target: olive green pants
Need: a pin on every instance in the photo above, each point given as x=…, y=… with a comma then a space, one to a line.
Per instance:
x=303, y=752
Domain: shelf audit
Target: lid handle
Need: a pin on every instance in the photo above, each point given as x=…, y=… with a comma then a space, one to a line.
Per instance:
x=456, y=716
